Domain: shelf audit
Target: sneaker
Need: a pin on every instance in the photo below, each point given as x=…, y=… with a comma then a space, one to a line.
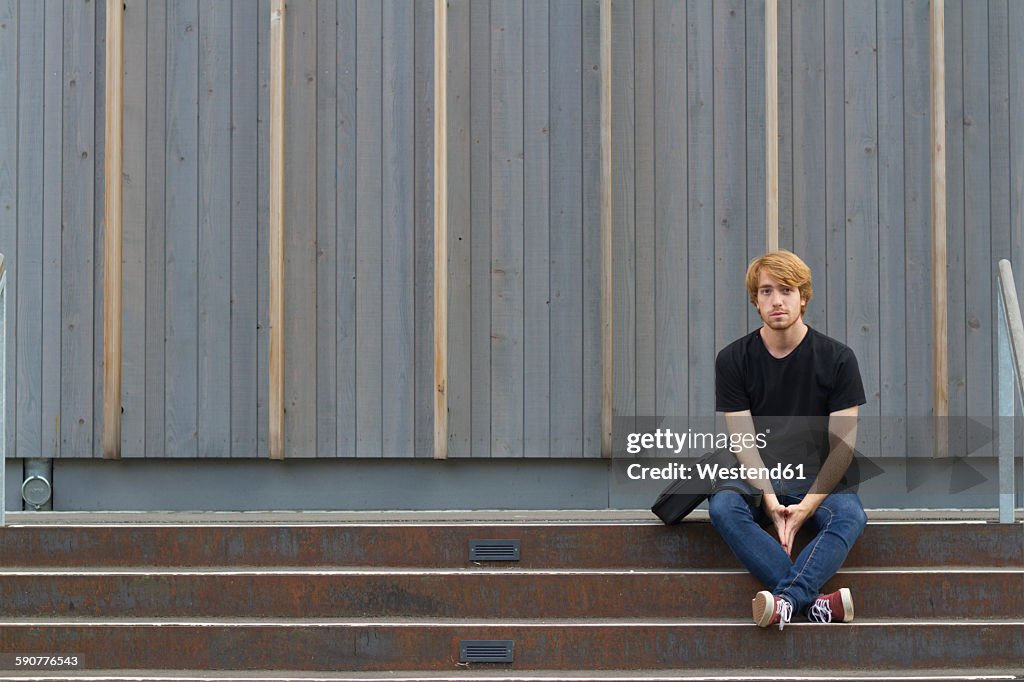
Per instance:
x=769, y=610
x=832, y=608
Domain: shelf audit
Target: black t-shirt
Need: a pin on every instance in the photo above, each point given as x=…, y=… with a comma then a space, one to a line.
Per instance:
x=790, y=398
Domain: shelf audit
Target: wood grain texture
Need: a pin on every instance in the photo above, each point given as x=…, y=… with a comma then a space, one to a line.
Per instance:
x=940, y=285
x=276, y=310
x=835, y=172
x=771, y=122
x=424, y=205
x=53, y=126
x=636, y=363
x=592, y=302
x=9, y=192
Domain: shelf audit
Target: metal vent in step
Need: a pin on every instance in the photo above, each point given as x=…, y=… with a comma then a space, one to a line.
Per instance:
x=485, y=651
x=494, y=550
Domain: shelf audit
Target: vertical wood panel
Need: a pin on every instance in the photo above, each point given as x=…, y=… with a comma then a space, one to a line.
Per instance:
x=757, y=151
x=77, y=285
x=214, y=322
x=263, y=233
x=480, y=226
x=133, y=290
x=53, y=128
x=9, y=181
x=700, y=175
x=892, y=403
x=398, y=257
x=917, y=143
x=507, y=368
x=461, y=146
x=345, y=158
x=835, y=173
x=181, y=360
x=787, y=180
x=423, y=219
x=956, y=270
x=730, y=192
x=1016, y=111
x=809, y=218
x=978, y=220
x=592, y=376
x=369, y=303
x=244, y=267
x=566, y=232
x=156, y=205
x=862, y=208
x=673, y=208
x=536, y=231
x=639, y=357
x=326, y=230
x=999, y=120
x=99, y=220
x=27, y=248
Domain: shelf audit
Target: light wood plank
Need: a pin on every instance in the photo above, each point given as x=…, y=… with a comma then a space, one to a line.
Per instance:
x=133, y=290
x=276, y=310
x=214, y=320
x=536, y=231
x=245, y=199
x=940, y=286
x=398, y=230
x=566, y=232
x=369, y=302
x=673, y=210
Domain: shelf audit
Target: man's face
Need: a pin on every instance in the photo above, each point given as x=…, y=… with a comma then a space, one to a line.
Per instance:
x=779, y=305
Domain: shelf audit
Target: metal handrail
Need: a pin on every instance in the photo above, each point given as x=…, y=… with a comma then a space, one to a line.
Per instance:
x=3, y=389
x=1011, y=369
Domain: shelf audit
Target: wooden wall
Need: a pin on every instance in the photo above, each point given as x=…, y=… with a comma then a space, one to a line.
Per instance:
x=524, y=184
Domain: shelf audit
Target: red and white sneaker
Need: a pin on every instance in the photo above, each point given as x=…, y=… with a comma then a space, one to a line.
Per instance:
x=832, y=608
x=769, y=610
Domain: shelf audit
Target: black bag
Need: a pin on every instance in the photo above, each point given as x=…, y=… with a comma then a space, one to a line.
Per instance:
x=683, y=496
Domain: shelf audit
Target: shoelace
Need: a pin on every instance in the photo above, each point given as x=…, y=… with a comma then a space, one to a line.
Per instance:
x=821, y=611
x=785, y=612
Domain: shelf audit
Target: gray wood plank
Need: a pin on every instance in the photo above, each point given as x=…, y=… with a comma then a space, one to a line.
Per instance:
x=345, y=153
x=156, y=205
x=566, y=232
x=787, y=180
x=592, y=374
x=423, y=215
x=917, y=142
x=133, y=291
x=480, y=227
x=700, y=175
x=326, y=230
x=673, y=208
x=99, y=221
x=244, y=220
x=77, y=257
x=1015, y=58
x=399, y=236
x=536, y=231
x=730, y=162
x=53, y=191
x=263, y=231
x=182, y=359
x=835, y=174
x=892, y=312
x=300, y=260
x=755, y=148
x=24, y=303
x=461, y=143
x=809, y=218
x=507, y=229
x=860, y=40
x=9, y=187
x=999, y=151
x=980, y=267
x=369, y=360
x=640, y=355
x=214, y=321
x=956, y=273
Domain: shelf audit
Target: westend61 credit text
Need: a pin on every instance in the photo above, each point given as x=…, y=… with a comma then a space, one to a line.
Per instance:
x=708, y=472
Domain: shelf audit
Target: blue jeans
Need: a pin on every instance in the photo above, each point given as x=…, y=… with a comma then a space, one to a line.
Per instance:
x=839, y=522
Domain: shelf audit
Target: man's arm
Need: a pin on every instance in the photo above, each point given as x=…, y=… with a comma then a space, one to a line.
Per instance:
x=743, y=423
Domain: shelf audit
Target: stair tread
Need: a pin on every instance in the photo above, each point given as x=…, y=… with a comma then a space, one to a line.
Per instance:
x=496, y=623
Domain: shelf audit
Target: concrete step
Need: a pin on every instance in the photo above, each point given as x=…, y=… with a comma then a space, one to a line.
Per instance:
x=692, y=545
x=592, y=645
x=955, y=593
x=476, y=675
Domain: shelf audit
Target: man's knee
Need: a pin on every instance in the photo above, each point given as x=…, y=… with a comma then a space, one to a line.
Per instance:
x=847, y=509
x=725, y=505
